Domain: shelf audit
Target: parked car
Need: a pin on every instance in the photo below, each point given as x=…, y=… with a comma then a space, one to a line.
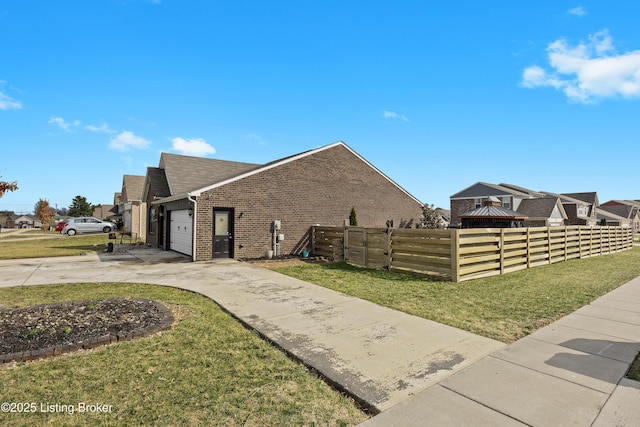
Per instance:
x=87, y=224
x=60, y=225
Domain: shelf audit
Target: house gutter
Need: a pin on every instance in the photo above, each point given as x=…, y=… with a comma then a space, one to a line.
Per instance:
x=195, y=223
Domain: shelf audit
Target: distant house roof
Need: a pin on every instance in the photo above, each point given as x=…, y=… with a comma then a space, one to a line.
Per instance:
x=541, y=207
x=522, y=190
x=623, y=210
x=493, y=212
x=611, y=217
x=590, y=198
x=132, y=186
x=485, y=189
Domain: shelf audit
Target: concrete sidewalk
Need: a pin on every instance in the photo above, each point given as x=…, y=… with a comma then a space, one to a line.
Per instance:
x=380, y=356
x=568, y=373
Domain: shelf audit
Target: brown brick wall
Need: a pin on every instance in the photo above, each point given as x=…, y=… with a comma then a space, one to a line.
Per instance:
x=317, y=189
x=458, y=207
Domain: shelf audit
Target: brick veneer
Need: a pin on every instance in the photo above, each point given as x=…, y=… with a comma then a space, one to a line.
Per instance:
x=458, y=207
x=317, y=189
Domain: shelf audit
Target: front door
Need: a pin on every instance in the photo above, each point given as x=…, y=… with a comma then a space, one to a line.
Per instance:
x=223, y=233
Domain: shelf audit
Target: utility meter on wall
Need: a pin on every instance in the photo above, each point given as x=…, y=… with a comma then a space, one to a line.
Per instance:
x=277, y=224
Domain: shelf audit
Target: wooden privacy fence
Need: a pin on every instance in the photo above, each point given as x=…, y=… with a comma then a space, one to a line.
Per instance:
x=466, y=254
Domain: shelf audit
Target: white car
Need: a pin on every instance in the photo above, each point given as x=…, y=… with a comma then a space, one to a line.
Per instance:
x=86, y=224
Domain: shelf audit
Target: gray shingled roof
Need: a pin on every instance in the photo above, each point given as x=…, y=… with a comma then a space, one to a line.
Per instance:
x=133, y=184
x=157, y=180
x=541, y=208
x=485, y=189
x=625, y=211
x=492, y=212
x=187, y=173
x=591, y=197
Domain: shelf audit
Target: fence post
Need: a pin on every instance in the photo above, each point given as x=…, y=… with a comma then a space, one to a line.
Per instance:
x=345, y=238
x=502, y=251
x=455, y=255
x=389, y=231
x=528, y=248
x=549, y=244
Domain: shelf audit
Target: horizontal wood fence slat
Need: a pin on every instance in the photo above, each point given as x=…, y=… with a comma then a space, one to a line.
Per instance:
x=466, y=254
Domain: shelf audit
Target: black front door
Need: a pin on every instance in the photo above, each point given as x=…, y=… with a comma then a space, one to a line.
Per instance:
x=223, y=233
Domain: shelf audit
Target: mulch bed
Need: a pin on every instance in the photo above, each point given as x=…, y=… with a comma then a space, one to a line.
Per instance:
x=52, y=329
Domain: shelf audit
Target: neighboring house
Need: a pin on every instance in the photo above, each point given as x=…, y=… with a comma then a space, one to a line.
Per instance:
x=579, y=207
x=474, y=196
x=102, y=211
x=629, y=209
x=132, y=207
x=608, y=218
x=445, y=217
x=23, y=221
x=543, y=212
x=209, y=208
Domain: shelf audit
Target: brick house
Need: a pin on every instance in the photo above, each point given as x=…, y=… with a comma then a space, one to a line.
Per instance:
x=230, y=209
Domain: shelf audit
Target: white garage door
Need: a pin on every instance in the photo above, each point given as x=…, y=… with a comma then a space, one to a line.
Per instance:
x=180, y=232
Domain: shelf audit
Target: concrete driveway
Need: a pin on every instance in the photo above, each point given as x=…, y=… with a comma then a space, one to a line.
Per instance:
x=380, y=356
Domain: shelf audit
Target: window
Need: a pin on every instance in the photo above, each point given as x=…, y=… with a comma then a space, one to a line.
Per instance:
x=478, y=203
x=506, y=202
x=153, y=220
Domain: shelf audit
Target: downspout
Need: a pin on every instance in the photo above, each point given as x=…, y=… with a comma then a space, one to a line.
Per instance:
x=195, y=224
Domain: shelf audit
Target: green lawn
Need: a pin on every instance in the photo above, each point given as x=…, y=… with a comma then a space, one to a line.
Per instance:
x=56, y=245
x=207, y=370
x=505, y=308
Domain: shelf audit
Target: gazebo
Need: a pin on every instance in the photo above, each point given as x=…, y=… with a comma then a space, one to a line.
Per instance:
x=492, y=215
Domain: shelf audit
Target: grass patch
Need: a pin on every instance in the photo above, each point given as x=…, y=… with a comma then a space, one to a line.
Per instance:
x=54, y=247
x=634, y=370
x=505, y=308
x=207, y=370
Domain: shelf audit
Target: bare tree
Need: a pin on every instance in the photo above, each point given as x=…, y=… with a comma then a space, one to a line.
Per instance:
x=7, y=186
x=44, y=212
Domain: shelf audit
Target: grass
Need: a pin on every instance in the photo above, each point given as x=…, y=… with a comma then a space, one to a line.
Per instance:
x=207, y=370
x=505, y=308
x=634, y=370
x=53, y=247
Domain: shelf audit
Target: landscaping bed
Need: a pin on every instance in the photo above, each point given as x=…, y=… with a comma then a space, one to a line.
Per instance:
x=52, y=329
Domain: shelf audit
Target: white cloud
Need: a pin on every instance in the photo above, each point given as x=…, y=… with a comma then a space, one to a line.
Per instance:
x=391, y=115
x=192, y=147
x=102, y=128
x=8, y=103
x=62, y=124
x=577, y=11
x=588, y=71
x=127, y=140
x=255, y=138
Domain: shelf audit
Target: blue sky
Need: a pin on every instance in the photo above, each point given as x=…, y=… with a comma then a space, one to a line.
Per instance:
x=437, y=95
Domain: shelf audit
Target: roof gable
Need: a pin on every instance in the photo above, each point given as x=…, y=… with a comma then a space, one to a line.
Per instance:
x=546, y=207
x=293, y=158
